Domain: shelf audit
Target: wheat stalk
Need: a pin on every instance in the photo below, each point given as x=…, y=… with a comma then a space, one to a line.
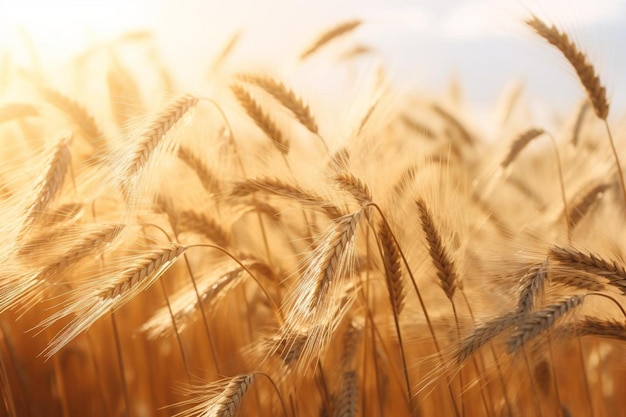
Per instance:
x=84, y=246
x=213, y=287
x=533, y=284
x=192, y=221
x=519, y=144
x=208, y=179
x=593, y=264
x=585, y=71
x=232, y=396
x=393, y=268
x=50, y=182
x=582, y=112
x=332, y=258
x=121, y=288
x=354, y=186
x=329, y=35
x=587, y=76
x=420, y=128
x=286, y=97
x=583, y=202
x=280, y=188
x=12, y=111
x=260, y=118
x=483, y=334
x=122, y=89
x=533, y=324
x=351, y=342
x=221, y=399
x=466, y=136
x=346, y=403
x=148, y=268
x=446, y=270
x=77, y=114
x=226, y=51
x=592, y=326
x=155, y=130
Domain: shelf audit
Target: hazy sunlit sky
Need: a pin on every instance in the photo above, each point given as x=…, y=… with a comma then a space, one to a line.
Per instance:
x=424, y=42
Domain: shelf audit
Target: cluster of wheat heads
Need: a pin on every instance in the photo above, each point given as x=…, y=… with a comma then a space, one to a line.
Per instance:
x=233, y=252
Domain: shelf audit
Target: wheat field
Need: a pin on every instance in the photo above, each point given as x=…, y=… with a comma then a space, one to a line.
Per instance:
x=242, y=250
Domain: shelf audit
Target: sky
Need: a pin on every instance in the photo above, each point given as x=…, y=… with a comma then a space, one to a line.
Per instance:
x=424, y=43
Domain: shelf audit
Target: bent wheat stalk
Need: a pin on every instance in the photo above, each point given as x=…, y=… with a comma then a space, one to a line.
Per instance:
x=519, y=144
x=260, y=118
x=593, y=264
x=91, y=304
x=51, y=181
x=326, y=37
x=446, y=270
x=286, y=96
x=77, y=114
x=587, y=76
x=533, y=324
x=12, y=111
x=152, y=135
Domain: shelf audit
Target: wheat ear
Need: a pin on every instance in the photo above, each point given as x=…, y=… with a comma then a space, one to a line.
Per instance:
x=156, y=129
x=446, y=270
x=585, y=71
x=354, y=186
x=289, y=346
x=519, y=144
x=346, y=403
x=207, y=178
x=393, y=268
x=63, y=213
x=185, y=302
x=587, y=76
x=260, y=118
x=583, y=203
x=207, y=401
x=51, y=181
x=286, y=97
x=533, y=324
x=329, y=35
x=332, y=257
x=420, y=128
x=77, y=114
x=280, y=188
x=456, y=123
x=230, y=399
x=85, y=245
x=149, y=267
x=122, y=88
x=11, y=111
x=108, y=297
x=225, y=51
x=351, y=342
x=200, y=223
x=592, y=326
x=593, y=264
x=533, y=283
x=580, y=117
x=483, y=334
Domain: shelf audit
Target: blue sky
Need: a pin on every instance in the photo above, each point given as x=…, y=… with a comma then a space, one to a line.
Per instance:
x=424, y=42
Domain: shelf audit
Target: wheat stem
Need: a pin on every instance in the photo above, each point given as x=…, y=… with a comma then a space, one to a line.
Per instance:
x=329, y=35
x=120, y=364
